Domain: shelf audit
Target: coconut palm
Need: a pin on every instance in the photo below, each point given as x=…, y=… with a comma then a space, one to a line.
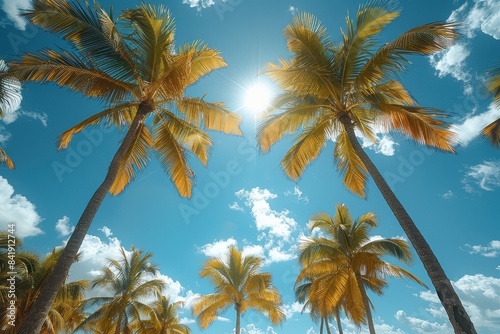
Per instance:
x=492, y=130
x=342, y=262
x=238, y=282
x=131, y=282
x=131, y=65
x=333, y=90
x=64, y=314
x=302, y=292
x=164, y=318
x=10, y=97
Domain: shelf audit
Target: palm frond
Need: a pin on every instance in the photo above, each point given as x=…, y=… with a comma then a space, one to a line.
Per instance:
x=4, y=158
x=133, y=160
x=492, y=132
x=350, y=165
x=203, y=60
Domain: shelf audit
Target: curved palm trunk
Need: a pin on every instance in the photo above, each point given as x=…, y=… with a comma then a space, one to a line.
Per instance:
x=366, y=301
x=457, y=315
x=339, y=324
x=238, y=316
x=321, y=325
x=40, y=308
x=327, y=326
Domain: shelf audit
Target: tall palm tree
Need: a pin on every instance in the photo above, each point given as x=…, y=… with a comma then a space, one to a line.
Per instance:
x=238, y=282
x=130, y=64
x=492, y=130
x=10, y=96
x=164, y=318
x=130, y=280
x=331, y=90
x=64, y=313
x=343, y=262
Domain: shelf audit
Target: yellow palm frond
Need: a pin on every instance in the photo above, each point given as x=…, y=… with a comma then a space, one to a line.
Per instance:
x=203, y=61
x=275, y=126
x=210, y=115
x=492, y=132
x=120, y=116
x=4, y=158
x=153, y=38
x=421, y=124
x=89, y=30
x=350, y=165
x=306, y=148
x=133, y=160
x=173, y=159
x=207, y=308
x=354, y=300
x=68, y=70
x=187, y=135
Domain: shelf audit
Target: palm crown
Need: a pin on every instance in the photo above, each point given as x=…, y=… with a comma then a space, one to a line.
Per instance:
x=131, y=63
x=325, y=82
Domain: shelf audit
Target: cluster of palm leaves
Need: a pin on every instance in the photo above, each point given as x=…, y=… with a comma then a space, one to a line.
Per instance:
x=329, y=90
x=135, y=303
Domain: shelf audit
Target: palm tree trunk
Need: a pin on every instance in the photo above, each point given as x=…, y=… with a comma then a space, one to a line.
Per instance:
x=366, y=301
x=40, y=308
x=327, y=326
x=339, y=324
x=457, y=314
x=321, y=325
x=238, y=316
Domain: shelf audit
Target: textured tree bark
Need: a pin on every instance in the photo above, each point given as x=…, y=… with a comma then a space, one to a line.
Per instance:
x=238, y=316
x=40, y=308
x=457, y=314
x=366, y=301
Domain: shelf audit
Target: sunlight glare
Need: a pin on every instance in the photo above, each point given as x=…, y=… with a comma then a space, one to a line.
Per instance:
x=258, y=97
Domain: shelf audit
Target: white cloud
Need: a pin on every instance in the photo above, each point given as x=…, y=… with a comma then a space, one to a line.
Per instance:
x=4, y=135
x=384, y=144
x=292, y=309
x=217, y=248
x=485, y=175
x=252, y=329
x=471, y=126
x=253, y=250
x=421, y=325
x=106, y=230
x=17, y=210
x=13, y=10
x=484, y=15
x=276, y=223
x=293, y=10
x=277, y=254
x=199, y=3
x=63, y=227
x=298, y=193
x=479, y=295
x=448, y=195
x=236, y=207
x=452, y=61
x=491, y=250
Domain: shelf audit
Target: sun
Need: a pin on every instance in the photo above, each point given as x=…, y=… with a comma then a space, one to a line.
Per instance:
x=258, y=97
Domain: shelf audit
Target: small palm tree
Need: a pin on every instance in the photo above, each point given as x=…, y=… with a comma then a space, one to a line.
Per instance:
x=343, y=262
x=238, y=282
x=130, y=280
x=33, y=272
x=10, y=95
x=164, y=318
x=492, y=130
x=331, y=90
x=131, y=65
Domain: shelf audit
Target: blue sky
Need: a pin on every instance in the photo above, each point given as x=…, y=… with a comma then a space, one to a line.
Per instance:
x=243, y=198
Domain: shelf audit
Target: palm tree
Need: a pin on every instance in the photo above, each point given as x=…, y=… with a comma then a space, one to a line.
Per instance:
x=10, y=96
x=343, y=262
x=302, y=292
x=331, y=90
x=164, y=318
x=238, y=282
x=130, y=64
x=33, y=272
x=492, y=130
x=130, y=280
